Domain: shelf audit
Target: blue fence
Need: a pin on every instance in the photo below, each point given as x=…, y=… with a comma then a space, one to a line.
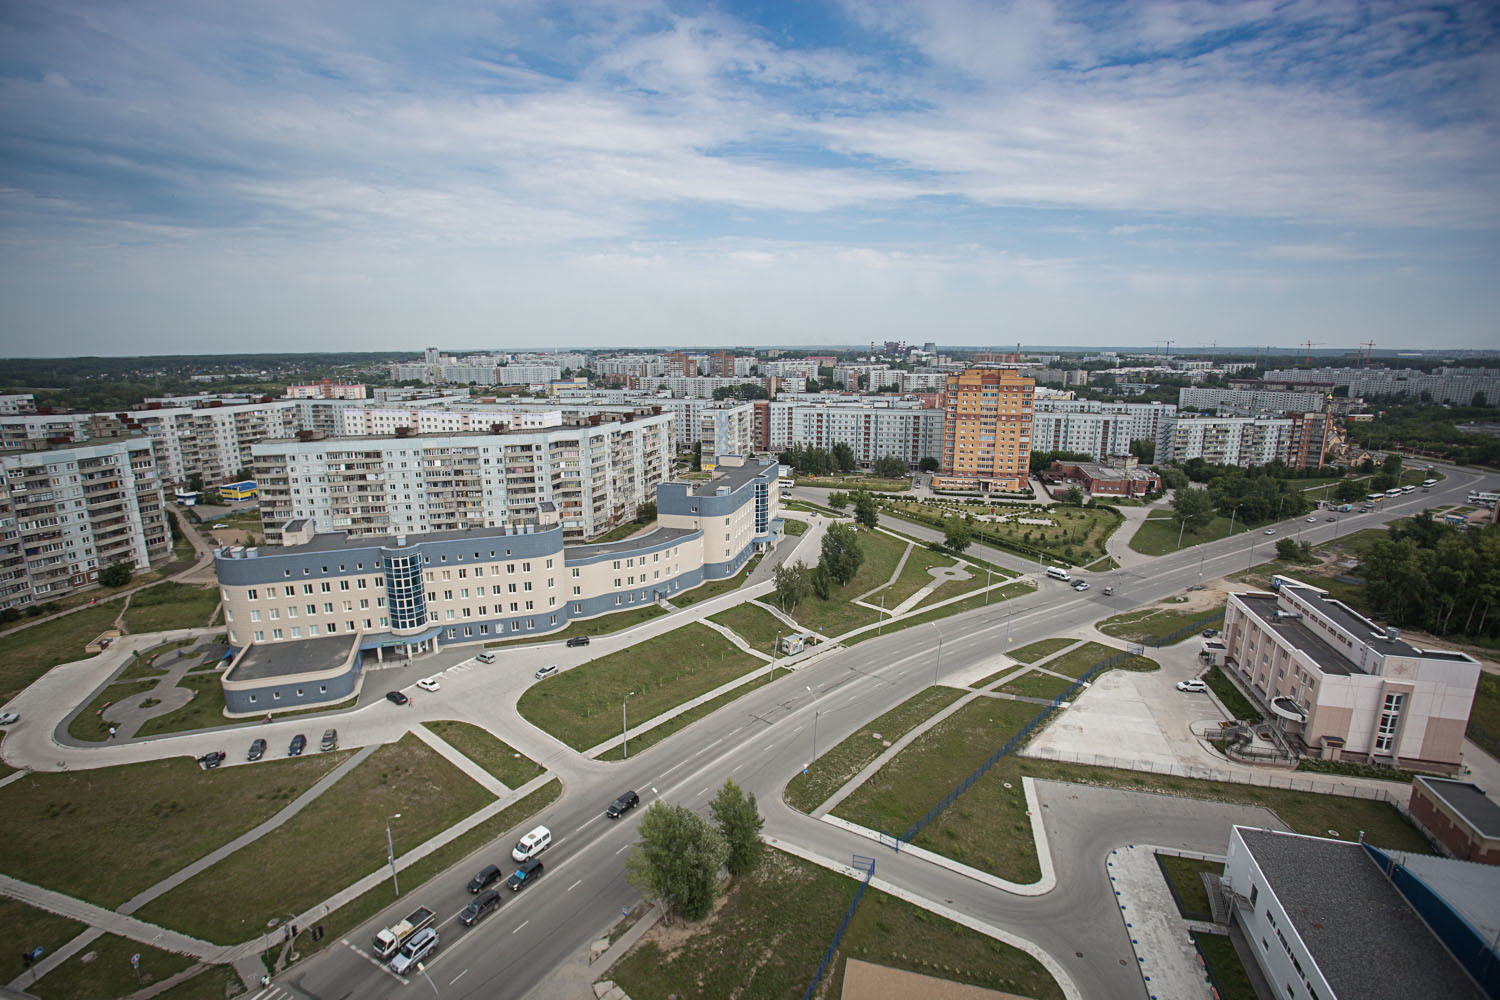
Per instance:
x=1010, y=745
x=868, y=864
x=1188, y=629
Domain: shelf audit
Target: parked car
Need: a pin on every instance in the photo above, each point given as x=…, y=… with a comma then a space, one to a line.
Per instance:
x=488, y=901
x=1209, y=633
x=486, y=878
x=212, y=759
x=330, y=740
x=623, y=804
x=429, y=684
x=579, y=640
x=1193, y=686
x=298, y=743
x=1331, y=519
x=257, y=750
x=485, y=657
x=523, y=876
x=396, y=698
x=9, y=718
x=546, y=671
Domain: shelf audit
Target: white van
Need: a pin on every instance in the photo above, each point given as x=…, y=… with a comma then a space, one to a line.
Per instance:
x=1058, y=573
x=422, y=944
x=485, y=657
x=532, y=844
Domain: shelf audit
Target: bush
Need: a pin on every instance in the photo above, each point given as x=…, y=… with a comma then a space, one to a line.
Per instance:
x=117, y=575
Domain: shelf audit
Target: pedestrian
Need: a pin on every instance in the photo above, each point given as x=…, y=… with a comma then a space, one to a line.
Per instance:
x=111, y=732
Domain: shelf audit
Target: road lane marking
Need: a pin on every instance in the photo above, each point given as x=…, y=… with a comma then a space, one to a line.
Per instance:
x=713, y=744
x=458, y=977
x=701, y=793
x=576, y=884
x=584, y=824
x=675, y=767
x=735, y=768
x=798, y=730
x=623, y=848
x=523, y=924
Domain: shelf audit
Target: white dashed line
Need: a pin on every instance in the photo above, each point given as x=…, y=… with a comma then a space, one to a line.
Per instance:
x=523, y=924
x=575, y=884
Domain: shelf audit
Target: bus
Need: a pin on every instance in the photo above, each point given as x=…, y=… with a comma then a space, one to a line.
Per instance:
x=1393, y=493
x=1428, y=484
x=1375, y=497
x=1483, y=499
x=1408, y=489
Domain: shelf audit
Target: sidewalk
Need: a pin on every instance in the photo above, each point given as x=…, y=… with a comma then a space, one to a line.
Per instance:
x=483, y=778
x=1158, y=933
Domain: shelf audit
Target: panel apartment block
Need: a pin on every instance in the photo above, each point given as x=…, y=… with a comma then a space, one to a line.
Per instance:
x=1100, y=430
x=1243, y=441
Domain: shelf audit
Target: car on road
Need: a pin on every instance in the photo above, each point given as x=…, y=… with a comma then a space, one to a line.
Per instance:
x=1080, y=585
x=1108, y=591
x=1270, y=531
x=422, y=944
x=1193, y=686
x=488, y=901
x=1331, y=519
x=578, y=640
x=9, y=718
x=257, y=750
x=298, y=743
x=212, y=759
x=428, y=684
x=330, y=740
x=623, y=804
x=523, y=876
x=546, y=671
x=1312, y=520
x=1209, y=633
x=396, y=698
x=486, y=878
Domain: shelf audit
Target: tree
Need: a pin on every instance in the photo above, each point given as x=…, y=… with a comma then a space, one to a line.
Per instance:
x=1173, y=478
x=1479, y=400
x=1348, y=491
x=956, y=534
x=821, y=582
x=676, y=864
x=929, y=464
x=1074, y=497
x=739, y=821
x=1367, y=466
x=792, y=585
x=117, y=575
x=838, y=500
x=890, y=467
x=1287, y=550
x=1392, y=465
x=697, y=455
x=866, y=510
x=842, y=555
x=843, y=456
x=1384, y=481
x=195, y=482
x=647, y=512
x=1144, y=449
x=1193, y=508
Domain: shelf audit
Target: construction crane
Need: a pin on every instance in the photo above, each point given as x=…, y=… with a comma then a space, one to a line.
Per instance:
x=1310, y=344
x=1368, y=345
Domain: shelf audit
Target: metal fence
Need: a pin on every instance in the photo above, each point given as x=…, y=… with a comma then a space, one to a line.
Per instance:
x=868, y=864
x=1010, y=745
x=1189, y=629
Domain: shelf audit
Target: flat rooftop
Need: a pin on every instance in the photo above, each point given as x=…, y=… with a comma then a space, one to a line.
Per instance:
x=1467, y=800
x=287, y=659
x=1365, y=937
x=339, y=541
x=734, y=477
x=659, y=536
x=1299, y=636
x=1345, y=618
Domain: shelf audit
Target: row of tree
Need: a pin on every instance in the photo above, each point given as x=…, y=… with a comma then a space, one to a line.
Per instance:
x=813, y=461
x=1429, y=575
x=676, y=864
x=839, y=559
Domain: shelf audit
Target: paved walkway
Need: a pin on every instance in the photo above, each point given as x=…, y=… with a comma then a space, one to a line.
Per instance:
x=451, y=754
x=1166, y=955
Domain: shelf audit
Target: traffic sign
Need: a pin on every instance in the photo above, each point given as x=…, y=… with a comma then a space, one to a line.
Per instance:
x=36, y=953
x=135, y=960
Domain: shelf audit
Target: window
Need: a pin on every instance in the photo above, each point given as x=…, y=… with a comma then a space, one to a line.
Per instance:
x=1390, y=717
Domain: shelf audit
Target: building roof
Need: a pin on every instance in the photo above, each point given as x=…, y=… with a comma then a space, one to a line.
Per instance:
x=1471, y=888
x=339, y=541
x=1364, y=936
x=658, y=537
x=1345, y=617
x=1468, y=801
x=732, y=476
x=1298, y=635
x=286, y=659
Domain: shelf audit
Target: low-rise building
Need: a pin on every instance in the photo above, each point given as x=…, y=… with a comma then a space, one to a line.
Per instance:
x=1458, y=815
x=1126, y=480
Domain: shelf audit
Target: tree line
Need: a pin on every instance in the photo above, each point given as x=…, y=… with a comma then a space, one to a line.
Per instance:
x=1429, y=575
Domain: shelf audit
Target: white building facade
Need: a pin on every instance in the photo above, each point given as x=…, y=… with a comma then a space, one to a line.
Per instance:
x=1100, y=430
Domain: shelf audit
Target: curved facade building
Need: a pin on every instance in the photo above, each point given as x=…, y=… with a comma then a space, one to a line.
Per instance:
x=303, y=618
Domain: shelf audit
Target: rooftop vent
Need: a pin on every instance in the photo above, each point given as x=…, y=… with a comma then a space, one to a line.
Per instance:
x=1392, y=633
x=1284, y=615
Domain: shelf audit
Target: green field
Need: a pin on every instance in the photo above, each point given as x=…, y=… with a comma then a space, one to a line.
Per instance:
x=642, y=741
x=89, y=724
x=1077, y=535
x=152, y=663
x=31, y=652
x=170, y=606
x=995, y=597
x=1224, y=965
x=581, y=706
x=602, y=625
x=1183, y=876
x=1229, y=694
x=756, y=626
x=205, y=710
x=1157, y=535
x=793, y=527
x=510, y=767
x=103, y=969
x=1041, y=649
x=336, y=840
x=214, y=983
x=1484, y=716
x=44, y=929
x=1152, y=625
x=838, y=615
x=1077, y=662
x=1036, y=685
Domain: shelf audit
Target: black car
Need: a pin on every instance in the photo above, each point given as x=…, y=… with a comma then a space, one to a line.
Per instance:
x=624, y=803
x=396, y=698
x=579, y=640
x=299, y=742
x=523, y=876
x=257, y=750
x=212, y=759
x=477, y=910
x=484, y=879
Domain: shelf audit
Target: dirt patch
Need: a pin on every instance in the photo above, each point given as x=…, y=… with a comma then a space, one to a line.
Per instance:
x=865, y=981
x=671, y=937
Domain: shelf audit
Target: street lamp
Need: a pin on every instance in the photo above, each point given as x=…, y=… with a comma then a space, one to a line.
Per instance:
x=987, y=573
x=624, y=730
x=939, y=661
x=390, y=852
x=773, y=656
x=1231, y=517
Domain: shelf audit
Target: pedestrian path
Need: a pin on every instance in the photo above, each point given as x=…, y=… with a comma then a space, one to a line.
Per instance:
x=734, y=637
x=450, y=753
x=1165, y=954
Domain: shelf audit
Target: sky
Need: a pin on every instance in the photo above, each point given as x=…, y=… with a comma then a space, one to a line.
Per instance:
x=293, y=176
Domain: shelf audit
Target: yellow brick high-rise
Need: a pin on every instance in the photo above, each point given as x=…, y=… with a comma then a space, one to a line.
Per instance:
x=986, y=430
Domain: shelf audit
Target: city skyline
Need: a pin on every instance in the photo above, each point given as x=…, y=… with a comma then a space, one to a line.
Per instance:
x=186, y=180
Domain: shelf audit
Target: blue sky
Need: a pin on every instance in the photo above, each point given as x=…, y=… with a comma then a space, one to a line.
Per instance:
x=282, y=176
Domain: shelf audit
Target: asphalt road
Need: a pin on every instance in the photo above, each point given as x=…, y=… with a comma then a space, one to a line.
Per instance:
x=765, y=737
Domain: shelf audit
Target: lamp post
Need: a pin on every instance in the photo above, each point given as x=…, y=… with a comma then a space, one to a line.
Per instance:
x=879, y=628
x=816, y=713
x=624, y=730
x=390, y=852
x=1231, y=517
x=773, y=656
x=987, y=574
x=939, y=661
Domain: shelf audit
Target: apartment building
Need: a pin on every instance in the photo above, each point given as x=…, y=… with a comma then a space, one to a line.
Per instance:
x=733, y=424
x=698, y=386
x=1457, y=386
x=986, y=430
x=1268, y=400
x=305, y=617
x=1100, y=430
x=67, y=513
x=791, y=368
x=1340, y=686
x=1312, y=437
x=595, y=470
x=326, y=389
x=1243, y=441
x=17, y=402
x=473, y=418
x=529, y=374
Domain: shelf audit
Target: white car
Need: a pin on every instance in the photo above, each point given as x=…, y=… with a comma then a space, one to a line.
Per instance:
x=1270, y=531
x=8, y=718
x=429, y=684
x=1312, y=520
x=217, y=526
x=546, y=671
x=1193, y=686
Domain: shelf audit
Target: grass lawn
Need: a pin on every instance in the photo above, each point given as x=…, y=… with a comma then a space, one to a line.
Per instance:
x=657, y=733
x=1040, y=649
x=214, y=983
x=1034, y=685
x=602, y=625
x=851, y=483
x=204, y=711
x=1238, y=705
x=170, y=605
x=31, y=652
x=336, y=840
x=1224, y=966
x=756, y=947
x=503, y=826
x=108, y=972
x=620, y=531
x=484, y=748
x=910, y=783
x=1157, y=535
x=1182, y=874
x=838, y=615
x=162, y=815
x=829, y=772
x=145, y=666
x=914, y=576
x=1484, y=717
x=756, y=626
x=1076, y=663
x=1076, y=535
x=704, y=591
x=42, y=927
x=89, y=724
x=579, y=706
x=793, y=527
x=997, y=596
x=1151, y=625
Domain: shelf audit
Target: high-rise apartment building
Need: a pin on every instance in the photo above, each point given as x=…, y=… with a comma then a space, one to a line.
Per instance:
x=986, y=430
x=1101, y=430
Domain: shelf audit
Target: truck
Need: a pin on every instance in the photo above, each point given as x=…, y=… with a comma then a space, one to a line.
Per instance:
x=1345, y=508
x=390, y=940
